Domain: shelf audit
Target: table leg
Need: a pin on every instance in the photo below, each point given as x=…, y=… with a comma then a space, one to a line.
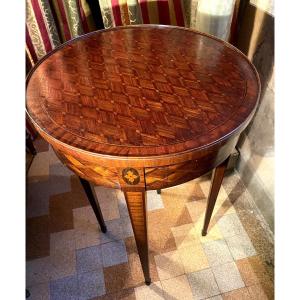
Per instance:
x=136, y=203
x=94, y=203
x=217, y=178
x=29, y=144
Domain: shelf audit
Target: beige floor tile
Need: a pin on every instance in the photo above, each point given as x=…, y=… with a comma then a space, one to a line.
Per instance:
x=62, y=240
x=205, y=186
x=154, y=292
x=253, y=270
x=154, y=201
x=193, y=258
x=63, y=263
x=222, y=207
x=228, y=277
x=185, y=235
x=196, y=209
x=108, y=202
x=230, y=225
x=39, y=169
x=203, y=284
x=240, y=246
x=217, y=252
x=213, y=232
x=257, y=292
x=87, y=236
x=83, y=217
x=189, y=191
x=62, y=254
x=169, y=265
x=177, y=288
x=239, y=294
x=136, y=271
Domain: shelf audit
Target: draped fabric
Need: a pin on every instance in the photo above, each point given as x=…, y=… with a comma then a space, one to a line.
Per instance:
x=131, y=12
x=52, y=22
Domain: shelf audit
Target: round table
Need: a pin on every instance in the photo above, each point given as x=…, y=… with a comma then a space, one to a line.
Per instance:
x=143, y=108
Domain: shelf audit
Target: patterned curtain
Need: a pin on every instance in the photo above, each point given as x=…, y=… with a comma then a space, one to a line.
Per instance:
x=130, y=12
x=52, y=22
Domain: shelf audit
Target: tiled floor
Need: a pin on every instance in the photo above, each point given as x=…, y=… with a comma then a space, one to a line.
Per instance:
x=68, y=257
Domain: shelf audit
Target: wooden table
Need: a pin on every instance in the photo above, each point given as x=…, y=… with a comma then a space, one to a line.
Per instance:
x=143, y=108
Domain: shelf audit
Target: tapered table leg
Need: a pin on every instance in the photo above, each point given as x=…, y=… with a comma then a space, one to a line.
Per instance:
x=217, y=178
x=136, y=203
x=29, y=144
x=94, y=203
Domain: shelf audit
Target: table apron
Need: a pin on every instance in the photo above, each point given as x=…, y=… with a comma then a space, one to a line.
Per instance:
x=147, y=178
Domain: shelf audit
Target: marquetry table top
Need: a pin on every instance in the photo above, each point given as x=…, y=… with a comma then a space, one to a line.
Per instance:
x=142, y=91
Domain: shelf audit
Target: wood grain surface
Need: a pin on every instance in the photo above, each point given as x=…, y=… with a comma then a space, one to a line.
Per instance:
x=142, y=91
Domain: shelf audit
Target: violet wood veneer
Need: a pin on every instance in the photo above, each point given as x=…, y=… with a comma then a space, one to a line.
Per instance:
x=143, y=107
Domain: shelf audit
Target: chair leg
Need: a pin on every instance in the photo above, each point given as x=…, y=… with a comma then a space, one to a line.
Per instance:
x=94, y=203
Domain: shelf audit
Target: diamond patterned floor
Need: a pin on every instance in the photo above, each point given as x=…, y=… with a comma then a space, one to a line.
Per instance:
x=68, y=257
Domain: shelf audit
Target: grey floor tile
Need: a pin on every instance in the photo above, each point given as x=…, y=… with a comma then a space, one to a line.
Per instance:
x=64, y=289
x=154, y=201
x=114, y=253
x=240, y=246
x=53, y=159
x=89, y=259
x=91, y=284
x=217, y=252
x=38, y=271
x=39, y=292
x=127, y=227
x=228, y=277
x=230, y=225
x=59, y=184
x=115, y=231
x=203, y=284
x=122, y=204
x=59, y=179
